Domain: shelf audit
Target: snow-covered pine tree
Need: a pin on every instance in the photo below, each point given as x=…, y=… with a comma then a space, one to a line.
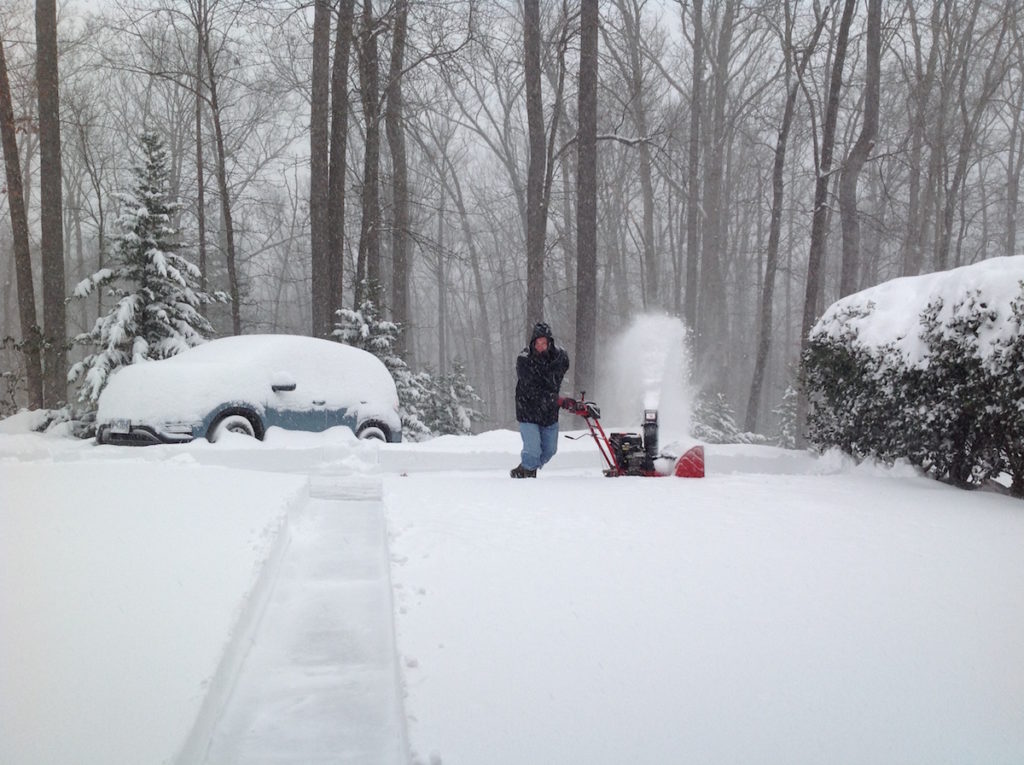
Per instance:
x=158, y=300
x=786, y=414
x=364, y=328
x=713, y=419
x=714, y=422
x=451, y=409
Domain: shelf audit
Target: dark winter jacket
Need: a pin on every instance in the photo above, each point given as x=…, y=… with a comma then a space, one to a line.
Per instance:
x=540, y=378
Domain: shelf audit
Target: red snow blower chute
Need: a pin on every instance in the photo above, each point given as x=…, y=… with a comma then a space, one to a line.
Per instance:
x=633, y=453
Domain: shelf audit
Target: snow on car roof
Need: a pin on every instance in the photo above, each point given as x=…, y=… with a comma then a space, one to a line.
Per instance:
x=188, y=386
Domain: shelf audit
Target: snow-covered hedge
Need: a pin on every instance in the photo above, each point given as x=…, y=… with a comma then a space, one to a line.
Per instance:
x=927, y=368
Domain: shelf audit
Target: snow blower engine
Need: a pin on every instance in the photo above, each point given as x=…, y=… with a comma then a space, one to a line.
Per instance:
x=634, y=453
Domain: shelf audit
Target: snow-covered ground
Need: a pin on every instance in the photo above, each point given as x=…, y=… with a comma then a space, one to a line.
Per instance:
x=225, y=602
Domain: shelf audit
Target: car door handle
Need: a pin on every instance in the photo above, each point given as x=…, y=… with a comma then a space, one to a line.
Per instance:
x=319, y=401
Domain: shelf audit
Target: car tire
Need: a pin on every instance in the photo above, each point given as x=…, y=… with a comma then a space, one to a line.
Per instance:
x=374, y=430
x=231, y=423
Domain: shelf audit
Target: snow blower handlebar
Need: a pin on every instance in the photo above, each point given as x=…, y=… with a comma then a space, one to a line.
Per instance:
x=591, y=413
x=585, y=409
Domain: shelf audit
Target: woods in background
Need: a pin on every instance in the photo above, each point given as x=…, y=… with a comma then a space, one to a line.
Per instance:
x=471, y=166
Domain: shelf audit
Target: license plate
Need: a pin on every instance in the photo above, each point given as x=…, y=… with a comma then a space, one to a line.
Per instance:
x=120, y=426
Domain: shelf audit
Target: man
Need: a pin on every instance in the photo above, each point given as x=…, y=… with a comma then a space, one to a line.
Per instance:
x=540, y=369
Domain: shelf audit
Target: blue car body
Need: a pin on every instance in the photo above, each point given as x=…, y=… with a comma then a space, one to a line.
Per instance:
x=285, y=381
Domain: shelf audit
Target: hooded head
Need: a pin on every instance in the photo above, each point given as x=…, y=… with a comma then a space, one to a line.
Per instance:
x=541, y=329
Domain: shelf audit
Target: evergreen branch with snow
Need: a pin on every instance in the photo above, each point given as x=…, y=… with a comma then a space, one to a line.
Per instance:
x=158, y=300
x=428, y=404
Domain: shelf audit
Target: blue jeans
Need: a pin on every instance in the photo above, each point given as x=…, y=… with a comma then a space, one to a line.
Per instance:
x=540, y=442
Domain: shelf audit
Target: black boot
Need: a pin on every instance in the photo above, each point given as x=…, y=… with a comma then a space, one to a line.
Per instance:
x=520, y=472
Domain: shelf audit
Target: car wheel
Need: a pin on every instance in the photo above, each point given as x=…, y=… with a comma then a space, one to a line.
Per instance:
x=231, y=423
x=372, y=430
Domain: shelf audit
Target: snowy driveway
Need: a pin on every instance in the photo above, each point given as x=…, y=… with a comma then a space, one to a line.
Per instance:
x=784, y=609
x=845, y=618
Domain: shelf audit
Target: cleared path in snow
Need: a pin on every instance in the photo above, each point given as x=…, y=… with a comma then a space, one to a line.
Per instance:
x=320, y=683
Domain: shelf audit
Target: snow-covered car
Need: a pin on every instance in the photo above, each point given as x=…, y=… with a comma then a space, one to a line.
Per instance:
x=247, y=384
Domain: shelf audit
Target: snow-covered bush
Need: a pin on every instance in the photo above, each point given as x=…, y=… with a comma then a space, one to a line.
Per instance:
x=928, y=369
x=955, y=395
x=1007, y=416
x=855, y=392
x=714, y=422
x=157, y=298
x=429, y=404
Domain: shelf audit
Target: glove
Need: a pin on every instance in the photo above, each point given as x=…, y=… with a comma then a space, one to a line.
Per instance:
x=569, y=404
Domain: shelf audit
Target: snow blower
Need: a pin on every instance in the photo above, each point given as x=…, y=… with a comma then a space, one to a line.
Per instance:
x=634, y=453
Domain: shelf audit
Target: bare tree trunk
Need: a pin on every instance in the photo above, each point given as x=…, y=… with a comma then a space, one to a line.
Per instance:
x=693, y=169
x=339, y=152
x=442, y=302
x=97, y=188
x=849, y=273
x=676, y=225
x=536, y=213
x=74, y=223
x=474, y=261
x=633, y=74
x=564, y=311
x=586, y=201
x=319, y=172
x=200, y=168
x=225, y=199
x=51, y=216
x=368, y=266
x=820, y=212
x=10, y=325
x=913, y=255
x=1015, y=161
x=557, y=112
x=395, y=128
x=567, y=235
x=970, y=119
x=946, y=208
x=775, y=228
x=711, y=316
x=22, y=252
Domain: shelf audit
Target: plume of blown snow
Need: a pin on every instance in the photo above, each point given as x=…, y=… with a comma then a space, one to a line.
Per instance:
x=648, y=367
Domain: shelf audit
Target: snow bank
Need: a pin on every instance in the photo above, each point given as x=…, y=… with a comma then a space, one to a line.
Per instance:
x=891, y=311
x=120, y=587
x=25, y=421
